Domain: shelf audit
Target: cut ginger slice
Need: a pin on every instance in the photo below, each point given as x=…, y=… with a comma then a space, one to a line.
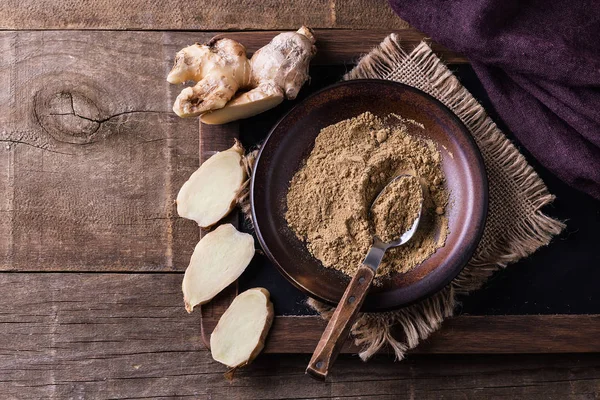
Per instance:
x=218, y=260
x=245, y=105
x=241, y=332
x=210, y=193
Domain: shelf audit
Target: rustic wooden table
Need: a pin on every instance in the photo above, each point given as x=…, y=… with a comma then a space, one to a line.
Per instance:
x=92, y=252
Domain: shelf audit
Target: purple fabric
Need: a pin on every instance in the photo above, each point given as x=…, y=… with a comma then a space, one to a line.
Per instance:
x=539, y=61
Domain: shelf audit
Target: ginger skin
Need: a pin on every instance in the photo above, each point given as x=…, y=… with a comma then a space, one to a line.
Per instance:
x=221, y=68
x=283, y=63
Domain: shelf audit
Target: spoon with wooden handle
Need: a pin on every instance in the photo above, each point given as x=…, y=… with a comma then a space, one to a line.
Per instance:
x=337, y=329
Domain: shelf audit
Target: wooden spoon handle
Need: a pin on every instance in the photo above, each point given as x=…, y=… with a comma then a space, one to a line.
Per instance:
x=339, y=325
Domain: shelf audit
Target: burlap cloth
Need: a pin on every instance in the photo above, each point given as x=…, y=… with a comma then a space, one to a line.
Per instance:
x=515, y=227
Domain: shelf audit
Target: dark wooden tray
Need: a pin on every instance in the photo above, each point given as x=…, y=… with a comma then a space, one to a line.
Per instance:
x=548, y=307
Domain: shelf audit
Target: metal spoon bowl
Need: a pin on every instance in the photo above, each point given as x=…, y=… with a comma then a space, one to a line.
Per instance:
x=378, y=248
x=347, y=309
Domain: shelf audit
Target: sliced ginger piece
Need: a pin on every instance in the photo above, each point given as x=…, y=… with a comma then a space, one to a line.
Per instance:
x=210, y=193
x=241, y=332
x=245, y=105
x=218, y=260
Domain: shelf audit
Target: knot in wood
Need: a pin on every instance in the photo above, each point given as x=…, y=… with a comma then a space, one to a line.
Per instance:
x=69, y=113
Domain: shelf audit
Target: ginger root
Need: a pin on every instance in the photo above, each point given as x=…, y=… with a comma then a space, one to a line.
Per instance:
x=283, y=63
x=221, y=68
x=211, y=192
x=218, y=260
x=241, y=331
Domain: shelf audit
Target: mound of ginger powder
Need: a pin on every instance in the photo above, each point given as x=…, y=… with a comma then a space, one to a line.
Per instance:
x=330, y=197
x=396, y=208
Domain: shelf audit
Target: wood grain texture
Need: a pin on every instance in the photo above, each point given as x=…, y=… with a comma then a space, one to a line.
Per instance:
x=90, y=160
x=346, y=46
x=468, y=334
x=92, y=155
x=63, y=338
x=193, y=15
x=215, y=138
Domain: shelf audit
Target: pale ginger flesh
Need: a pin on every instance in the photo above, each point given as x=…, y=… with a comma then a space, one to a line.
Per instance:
x=245, y=105
x=211, y=192
x=241, y=331
x=276, y=71
x=218, y=260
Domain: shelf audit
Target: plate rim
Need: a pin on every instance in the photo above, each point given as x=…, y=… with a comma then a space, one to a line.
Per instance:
x=484, y=201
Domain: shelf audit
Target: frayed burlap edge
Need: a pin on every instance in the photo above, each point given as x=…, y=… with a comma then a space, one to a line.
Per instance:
x=516, y=226
x=516, y=183
x=243, y=196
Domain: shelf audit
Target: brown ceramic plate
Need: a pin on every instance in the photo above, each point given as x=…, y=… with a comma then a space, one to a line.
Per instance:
x=291, y=141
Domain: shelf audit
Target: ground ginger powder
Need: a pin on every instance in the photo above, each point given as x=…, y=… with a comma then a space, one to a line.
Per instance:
x=396, y=208
x=330, y=197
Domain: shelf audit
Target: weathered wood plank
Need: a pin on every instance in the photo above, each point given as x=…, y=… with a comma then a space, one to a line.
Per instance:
x=75, y=335
x=205, y=15
x=81, y=335
x=215, y=138
x=469, y=334
x=346, y=46
x=423, y=377
x=92, y=155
